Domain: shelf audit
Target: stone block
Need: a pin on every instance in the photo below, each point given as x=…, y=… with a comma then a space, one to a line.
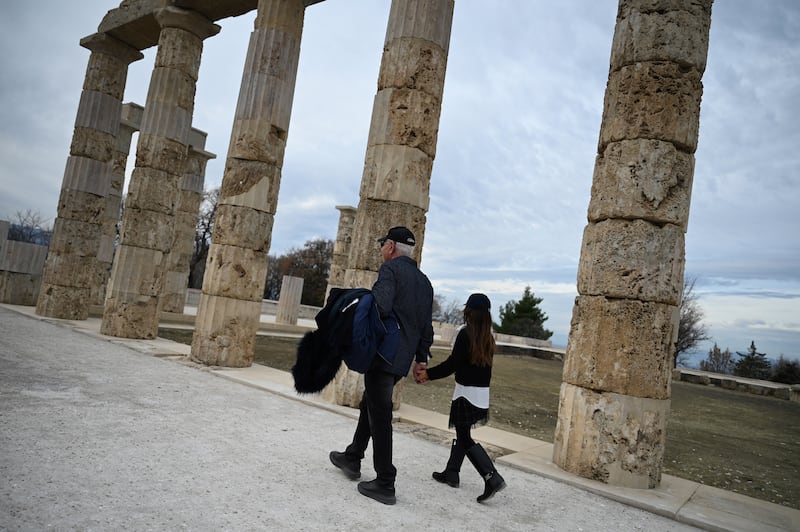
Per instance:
x=63, y=302
x=92, y=143
x=179, y=50
x=281, y=18
x=235, y=272
x=632, y=259
x=647, y=179
x=258, y=139
x=676, y=33
x=413, y=64
x=130, y=316
x=81, y=206
x=20, y=288
x=243, y=227
x=374, y=219
x=621, y=346
x=251, y=184
x=612, y=438
x=397, y=173
x=137, y=272
x=147, y=229
x=169, y=105
x=87, y=175
x=75, y=238
x=225, y=331
x=70, y=270
x=107, y=74
x=354, y=278
x=421, y=20
x=289, y=301
x=100, y=111
x=652, y=101
x=405, y=117
x=153, y=190
x=160, y=153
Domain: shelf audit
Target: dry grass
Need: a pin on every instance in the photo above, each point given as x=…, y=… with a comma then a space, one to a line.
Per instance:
x=732, y=440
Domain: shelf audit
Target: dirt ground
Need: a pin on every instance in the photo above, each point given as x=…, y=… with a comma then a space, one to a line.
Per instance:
x=727, y=439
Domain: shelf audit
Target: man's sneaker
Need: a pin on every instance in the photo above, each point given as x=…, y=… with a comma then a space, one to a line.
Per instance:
x=374, y=490
x=350, y=468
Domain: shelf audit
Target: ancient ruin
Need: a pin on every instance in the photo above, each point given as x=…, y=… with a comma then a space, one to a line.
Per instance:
x=616, y=384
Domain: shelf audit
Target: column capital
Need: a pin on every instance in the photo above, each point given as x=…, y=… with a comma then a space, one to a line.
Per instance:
x=106, y=44
x=191, y=21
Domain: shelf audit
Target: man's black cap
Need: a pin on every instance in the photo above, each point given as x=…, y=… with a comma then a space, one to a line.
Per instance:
x=401, y=235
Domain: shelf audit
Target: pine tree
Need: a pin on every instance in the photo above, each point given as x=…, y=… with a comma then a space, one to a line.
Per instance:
x=753, y=365
x=524, y=317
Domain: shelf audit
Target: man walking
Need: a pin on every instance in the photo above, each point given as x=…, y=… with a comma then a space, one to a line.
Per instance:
x=403, y=290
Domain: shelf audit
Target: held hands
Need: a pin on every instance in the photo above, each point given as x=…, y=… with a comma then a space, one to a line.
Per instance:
x=421, y=372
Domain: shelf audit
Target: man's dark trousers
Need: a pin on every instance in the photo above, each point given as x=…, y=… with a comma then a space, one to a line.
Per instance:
x=375, y=420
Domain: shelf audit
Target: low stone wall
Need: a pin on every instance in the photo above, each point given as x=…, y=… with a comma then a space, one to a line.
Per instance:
x=21, y=265
x=789, y=392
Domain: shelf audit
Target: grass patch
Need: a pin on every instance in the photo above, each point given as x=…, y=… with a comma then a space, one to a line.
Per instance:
x=731, y=440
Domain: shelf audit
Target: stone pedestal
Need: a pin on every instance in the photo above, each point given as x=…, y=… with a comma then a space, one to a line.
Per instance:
x=614, y=399
x=289, y=300
x=395, y=185
x=132, y=304
x=237, y=259
x=70, y=271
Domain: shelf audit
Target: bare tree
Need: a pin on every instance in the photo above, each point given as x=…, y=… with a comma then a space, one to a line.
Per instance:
x=447, y=310
x=718, y=361
x=691, y=330
x=202, y=237
x=29, y=227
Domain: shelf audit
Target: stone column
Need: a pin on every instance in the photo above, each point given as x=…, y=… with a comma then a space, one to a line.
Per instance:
x=395, y=186
x=236, y=268
x=69, y=272
x=289, y=300
x=131, y=305
x=176, y=281
x=614, y=399
x=130, y=122
x=341, y=248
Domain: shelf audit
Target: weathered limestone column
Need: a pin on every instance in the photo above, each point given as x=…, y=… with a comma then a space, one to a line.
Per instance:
x=236, y=268
x=395, y=186
x=70, y=268
x=176, y=280
x=131, y=305
x=614, y=399
x=341, y=248
x=130, y=122
x=289, y=300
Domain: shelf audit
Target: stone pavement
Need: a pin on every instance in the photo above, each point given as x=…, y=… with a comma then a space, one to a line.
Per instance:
x=102, y=433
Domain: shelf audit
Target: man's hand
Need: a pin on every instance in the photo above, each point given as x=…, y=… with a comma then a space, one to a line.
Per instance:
x=421, y=372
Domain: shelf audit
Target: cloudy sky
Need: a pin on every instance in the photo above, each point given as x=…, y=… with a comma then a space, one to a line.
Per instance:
x=518, y=135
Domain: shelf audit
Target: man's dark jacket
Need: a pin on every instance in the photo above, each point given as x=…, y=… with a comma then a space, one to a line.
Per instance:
x=402, y=289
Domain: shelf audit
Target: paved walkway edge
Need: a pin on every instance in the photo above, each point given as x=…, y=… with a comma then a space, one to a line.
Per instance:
x=684, y=501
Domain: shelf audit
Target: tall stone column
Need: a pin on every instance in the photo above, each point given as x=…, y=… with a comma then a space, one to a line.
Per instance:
x=615, y=394
x=341, y=248
x=236, y=268
x=176, y=281
x=130, y=122
x=395, y=186
x=69, y=272
x=131, y=305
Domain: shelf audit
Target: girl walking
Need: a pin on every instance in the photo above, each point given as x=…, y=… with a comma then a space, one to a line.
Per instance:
x=471, y=361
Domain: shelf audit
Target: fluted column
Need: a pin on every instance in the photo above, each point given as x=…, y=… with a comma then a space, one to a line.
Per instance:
x=173, y=296
x=131, y=305
x=395, y=185
x=341, y=248
x=130, y=122
x=70, y=270
x=615, y=394
x=236, y=268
